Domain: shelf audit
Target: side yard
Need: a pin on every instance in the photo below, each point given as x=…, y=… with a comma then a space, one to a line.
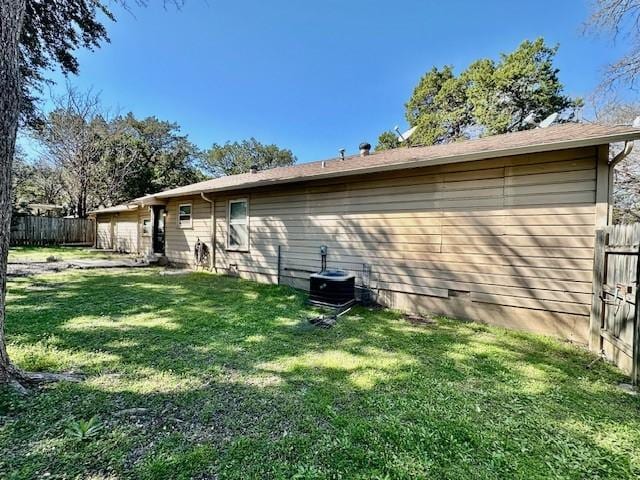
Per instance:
x=28, y=261
x=205, y=376
x=41, y=254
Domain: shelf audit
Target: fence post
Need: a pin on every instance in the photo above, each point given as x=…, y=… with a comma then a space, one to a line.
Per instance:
x=596, y=300
x=279, y=262
x=635, y=359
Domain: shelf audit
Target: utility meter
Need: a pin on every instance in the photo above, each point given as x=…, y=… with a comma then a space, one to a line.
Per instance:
x=323, y=249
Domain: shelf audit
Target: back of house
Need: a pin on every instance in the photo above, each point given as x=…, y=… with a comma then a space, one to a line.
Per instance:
x=498, y=229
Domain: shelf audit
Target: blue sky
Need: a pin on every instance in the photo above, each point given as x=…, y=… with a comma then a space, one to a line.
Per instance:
x=314, y=76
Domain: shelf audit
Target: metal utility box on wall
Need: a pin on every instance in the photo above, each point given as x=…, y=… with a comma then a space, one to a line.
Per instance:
x=333, y=288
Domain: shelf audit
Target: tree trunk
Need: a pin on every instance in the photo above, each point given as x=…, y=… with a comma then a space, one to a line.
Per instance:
x=11, y=18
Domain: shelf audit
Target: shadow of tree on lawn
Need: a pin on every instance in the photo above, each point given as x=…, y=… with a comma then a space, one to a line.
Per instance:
x=237, y=384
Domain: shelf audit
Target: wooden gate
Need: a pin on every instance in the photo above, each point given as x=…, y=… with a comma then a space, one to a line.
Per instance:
x=614, y=314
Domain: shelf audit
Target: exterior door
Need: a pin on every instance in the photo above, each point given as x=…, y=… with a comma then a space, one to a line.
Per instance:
x=158, y=229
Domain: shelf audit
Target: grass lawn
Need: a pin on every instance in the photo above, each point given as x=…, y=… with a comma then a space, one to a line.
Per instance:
x=40, y=254
x=236, y=384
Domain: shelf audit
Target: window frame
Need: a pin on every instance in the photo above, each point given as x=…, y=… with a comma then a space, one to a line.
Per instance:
x=147, y=234
x=180, y=224
x=239, y=248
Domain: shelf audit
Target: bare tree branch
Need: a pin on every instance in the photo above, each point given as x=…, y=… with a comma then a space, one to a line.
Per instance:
x=619, y=19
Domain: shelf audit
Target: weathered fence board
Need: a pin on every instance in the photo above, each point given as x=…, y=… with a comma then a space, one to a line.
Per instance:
x=31, y=230
x=615, y=312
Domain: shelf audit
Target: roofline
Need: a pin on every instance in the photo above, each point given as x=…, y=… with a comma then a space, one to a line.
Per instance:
x=129, y=207
x=404, y=165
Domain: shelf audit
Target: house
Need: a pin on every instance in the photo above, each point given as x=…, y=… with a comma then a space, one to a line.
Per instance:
x=497, y=229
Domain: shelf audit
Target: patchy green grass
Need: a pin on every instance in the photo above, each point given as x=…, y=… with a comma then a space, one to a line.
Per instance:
x=235, y=383
x=40, y=254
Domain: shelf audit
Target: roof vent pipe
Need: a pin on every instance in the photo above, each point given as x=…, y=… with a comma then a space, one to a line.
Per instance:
x=342, y=150
x=365, y=148
x=253, y=169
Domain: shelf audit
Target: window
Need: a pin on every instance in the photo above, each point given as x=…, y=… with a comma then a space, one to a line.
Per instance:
x=184, y=215
x=238, y=225
x=146, y=227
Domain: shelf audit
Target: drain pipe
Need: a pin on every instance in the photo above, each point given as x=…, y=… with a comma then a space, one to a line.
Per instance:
x=628, y=147
x=212, y=255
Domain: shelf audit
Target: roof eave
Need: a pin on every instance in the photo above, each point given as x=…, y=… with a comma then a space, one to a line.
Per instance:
x=126, y=208
x=494, y=153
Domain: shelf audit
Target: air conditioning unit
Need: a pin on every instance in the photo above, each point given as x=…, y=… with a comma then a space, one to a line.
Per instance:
x=332, y=288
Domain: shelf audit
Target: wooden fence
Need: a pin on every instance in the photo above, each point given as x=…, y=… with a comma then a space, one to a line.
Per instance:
x=30, y=230
x=616, y=294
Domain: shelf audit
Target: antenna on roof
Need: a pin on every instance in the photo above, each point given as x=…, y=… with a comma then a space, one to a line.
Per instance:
x=403, y=137
x=550, y=120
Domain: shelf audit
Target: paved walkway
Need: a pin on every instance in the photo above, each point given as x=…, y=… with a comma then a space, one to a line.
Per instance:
x=32, y=268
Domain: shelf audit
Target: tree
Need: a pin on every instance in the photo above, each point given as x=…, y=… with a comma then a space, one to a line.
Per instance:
x=51, y=33
x=239, y=157
x=146, y=156
x=34, y=36
x=71, y=136
x=12, y=15
x=488, y=98
x=522, y=83
x=37, y=182
x=626, y=186
x=106, y=161
x=619, y=19
x=387, y=140
x=438, y=107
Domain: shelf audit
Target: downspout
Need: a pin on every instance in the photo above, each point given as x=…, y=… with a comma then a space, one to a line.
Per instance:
x=628, y=147
x=212, y=255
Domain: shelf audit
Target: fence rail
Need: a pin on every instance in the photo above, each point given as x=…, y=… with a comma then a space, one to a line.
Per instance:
x=31, y=230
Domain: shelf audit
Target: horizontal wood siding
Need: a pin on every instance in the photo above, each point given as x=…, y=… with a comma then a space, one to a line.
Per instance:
x=119, y=231
x=127, y=232
x=103, y=232
x=181, y=242
x=503, y=237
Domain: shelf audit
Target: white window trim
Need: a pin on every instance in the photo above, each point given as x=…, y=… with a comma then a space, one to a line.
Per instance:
x=148, y=234
x=229, y=246
x=190, y=225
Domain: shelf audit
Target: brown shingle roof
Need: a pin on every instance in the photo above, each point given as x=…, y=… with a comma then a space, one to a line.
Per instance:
x=570, y=135
x=537, y=140
x=125, y=207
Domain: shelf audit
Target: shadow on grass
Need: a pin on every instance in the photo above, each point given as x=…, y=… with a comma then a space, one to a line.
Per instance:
x=236, y=384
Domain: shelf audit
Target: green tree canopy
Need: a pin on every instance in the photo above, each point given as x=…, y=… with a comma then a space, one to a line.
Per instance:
x=387, y=140
x=239, y=157
x=92, y=160
x=144, y=156
x=488, y=98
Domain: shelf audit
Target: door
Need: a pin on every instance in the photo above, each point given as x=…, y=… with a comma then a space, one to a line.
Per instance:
x=158, y=229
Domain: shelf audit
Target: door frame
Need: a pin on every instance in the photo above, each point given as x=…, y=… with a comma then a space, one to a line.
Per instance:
x=158, y=215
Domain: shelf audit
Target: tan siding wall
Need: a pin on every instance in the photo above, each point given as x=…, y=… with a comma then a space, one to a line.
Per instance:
x=118, y=231
x=103, y=232
x=180, y=242
x=127, y=232
x=506, y=240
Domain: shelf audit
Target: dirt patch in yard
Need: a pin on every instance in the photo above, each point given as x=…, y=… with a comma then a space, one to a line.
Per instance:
x=423, y=320
x=34, y=268
x=26, y=269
